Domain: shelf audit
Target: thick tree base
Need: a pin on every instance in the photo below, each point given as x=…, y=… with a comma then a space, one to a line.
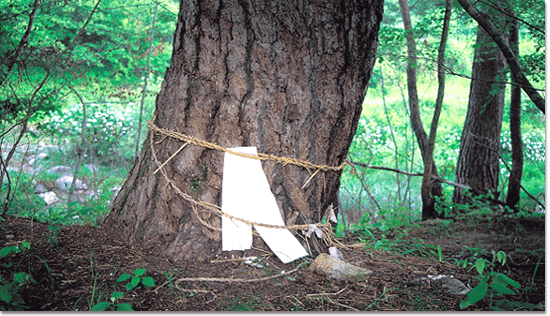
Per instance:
x=288, y=78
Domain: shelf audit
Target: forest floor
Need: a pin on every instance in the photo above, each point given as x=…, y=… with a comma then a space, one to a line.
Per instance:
x=75, y=267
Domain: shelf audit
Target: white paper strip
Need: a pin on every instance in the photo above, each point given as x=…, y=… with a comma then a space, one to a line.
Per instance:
x=246, y=194
x=236, y=235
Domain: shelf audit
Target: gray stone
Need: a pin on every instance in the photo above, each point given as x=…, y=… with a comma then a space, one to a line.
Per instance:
x=65, y=181
x=81, y=195
x=448, y=282
x=60, y=170
x=34, y=158
x=337, y=269
x=40, y=188
x=454, y=286
x=93, y=168
x=335, y=253
x=49, y=197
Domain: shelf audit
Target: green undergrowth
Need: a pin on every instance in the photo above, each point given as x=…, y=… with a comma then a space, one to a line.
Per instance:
x=494, y=285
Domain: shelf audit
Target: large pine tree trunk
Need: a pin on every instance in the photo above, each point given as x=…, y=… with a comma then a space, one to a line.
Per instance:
x=478, y=159
x=288, y=77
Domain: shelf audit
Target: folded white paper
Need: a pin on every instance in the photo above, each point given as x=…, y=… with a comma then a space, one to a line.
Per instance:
x=246, y=194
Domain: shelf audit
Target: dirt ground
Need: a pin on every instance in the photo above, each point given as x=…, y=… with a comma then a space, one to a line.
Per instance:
x=79, y=266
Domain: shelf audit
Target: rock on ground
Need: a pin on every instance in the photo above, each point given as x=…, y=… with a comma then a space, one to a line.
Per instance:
x=337, y=269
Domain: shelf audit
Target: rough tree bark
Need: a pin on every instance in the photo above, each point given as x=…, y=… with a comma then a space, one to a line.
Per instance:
x=478, y=158
x=288, y=77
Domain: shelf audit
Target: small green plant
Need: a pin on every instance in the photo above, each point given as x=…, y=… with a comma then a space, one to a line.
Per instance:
x=112, y=304
x=135, y=280
x=439, y=253
x=239, y=304
x=10, y=299
x=495, y=284
x=53, y=231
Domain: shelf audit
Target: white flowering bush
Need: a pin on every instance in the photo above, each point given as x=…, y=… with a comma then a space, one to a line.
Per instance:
x=533, y=145
x=106, y=125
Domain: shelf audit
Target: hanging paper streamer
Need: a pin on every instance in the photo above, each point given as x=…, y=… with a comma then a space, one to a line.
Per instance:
x=246, y=194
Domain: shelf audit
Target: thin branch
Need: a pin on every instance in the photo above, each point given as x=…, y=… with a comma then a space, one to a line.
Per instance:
x=434, y=178
x=524, y=190
x=513, y=16
x=392, y=133
x=147, y=70
x=449, y=71
x=513, y=61
x=24, y=39
x=71, y=45
x=82, y=136
x=415, y=174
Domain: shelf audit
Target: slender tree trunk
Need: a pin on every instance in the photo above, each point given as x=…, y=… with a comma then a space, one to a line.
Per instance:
x=514, y=180
x=288, y=77
x=416, y=122
x=478, y=160
x=428, y=201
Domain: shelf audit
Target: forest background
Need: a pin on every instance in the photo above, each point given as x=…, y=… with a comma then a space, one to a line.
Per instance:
x=79, y=80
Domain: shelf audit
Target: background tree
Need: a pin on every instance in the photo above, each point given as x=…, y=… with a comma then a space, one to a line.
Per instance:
x=435, y=190
x=514, y=180
x=287, y=77
x=478, y=160
x=492, y=30
x=428, y=200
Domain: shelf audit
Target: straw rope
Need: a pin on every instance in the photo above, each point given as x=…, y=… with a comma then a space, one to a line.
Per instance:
x=259, y=156
x=215, y=209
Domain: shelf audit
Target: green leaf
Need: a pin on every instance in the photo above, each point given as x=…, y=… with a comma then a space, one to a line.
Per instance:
x=5, y=251
x=502, y=305
x=139, y=272
x=148, y=281
x=25, y=245
x=523, y=305
x=135, y=281
x=129, y=286
x=501, y=289
x=5, y=294
x=124, y=307
x=100, y=307
x=124, y=277
x=71, y=204
x=117, y=294
x=501, y=257
x=464, y=304
x=478, y=292
x=504, y=279
x=480, y=265
x=21, y=277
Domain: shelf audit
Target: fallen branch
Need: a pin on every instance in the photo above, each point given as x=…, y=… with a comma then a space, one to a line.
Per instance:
x=233, y=280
